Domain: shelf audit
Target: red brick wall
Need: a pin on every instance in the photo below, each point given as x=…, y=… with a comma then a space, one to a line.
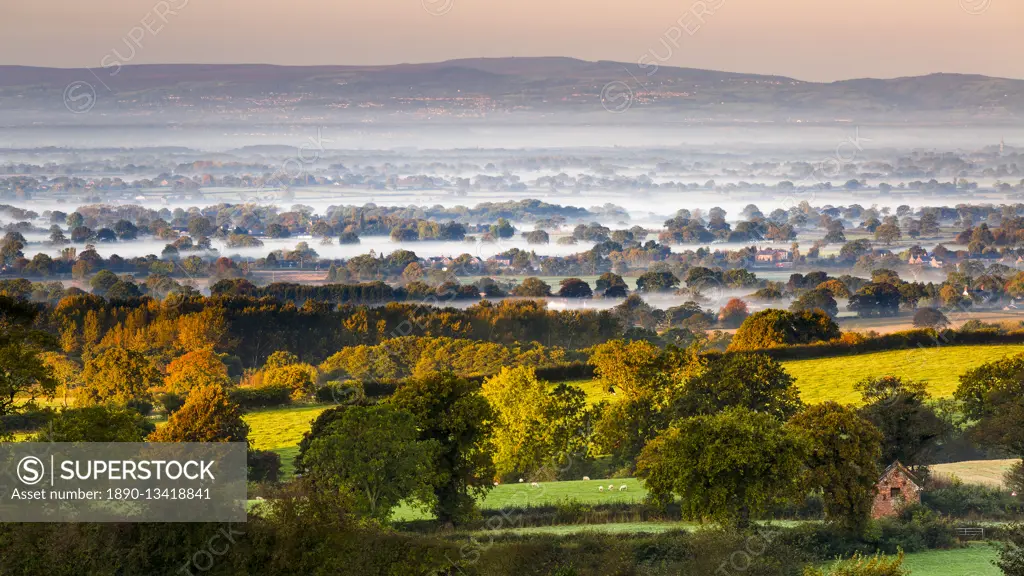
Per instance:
x=885, y=505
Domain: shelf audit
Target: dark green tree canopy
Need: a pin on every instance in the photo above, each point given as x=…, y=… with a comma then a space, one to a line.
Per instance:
x=993, y=395
x=899, y=408
x=726, y=467
x=451, y=411
x=751, y=381
x=842, y=457
x=375, y=455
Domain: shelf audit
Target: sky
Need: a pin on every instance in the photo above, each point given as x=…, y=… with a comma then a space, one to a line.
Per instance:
x=817, y=40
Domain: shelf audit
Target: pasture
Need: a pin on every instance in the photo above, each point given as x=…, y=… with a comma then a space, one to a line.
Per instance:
x=823, y=379
x=280, y=430
x=973, y=560
x=989, y=472
x=939, y=367
x=513, y=496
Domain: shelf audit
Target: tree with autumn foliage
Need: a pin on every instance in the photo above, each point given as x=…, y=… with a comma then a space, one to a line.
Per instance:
x=733, y=313
x=284, y=369
x=772, y=327
x=117, y=375
x=632, y=368
x=194, y=369
x=207, y=416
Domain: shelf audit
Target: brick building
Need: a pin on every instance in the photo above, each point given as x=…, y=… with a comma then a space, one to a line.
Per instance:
x=897, y=487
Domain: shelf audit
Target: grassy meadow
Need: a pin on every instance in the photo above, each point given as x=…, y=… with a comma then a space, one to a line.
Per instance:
x=973, y=560
x=939, y=367
x=989, y=472
x=281, y=429
x=510, y=496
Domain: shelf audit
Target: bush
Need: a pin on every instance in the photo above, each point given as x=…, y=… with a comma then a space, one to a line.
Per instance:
x=263, y=466
x=27, y=421
x=973, y=501
x=876, y=565
x=171, y=402
x=144, y=407
x=261, y=397
x=915, y=530
x=707, y=551
x=1011, y=553
x=348, y=392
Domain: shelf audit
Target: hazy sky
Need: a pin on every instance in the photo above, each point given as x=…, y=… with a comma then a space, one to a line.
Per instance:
x=806, y=39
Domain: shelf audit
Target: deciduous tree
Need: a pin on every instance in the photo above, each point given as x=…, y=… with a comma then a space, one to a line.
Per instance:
x=375, y=455
x=451, y=411
x=117, y=375
x=842, y=457
x=725, y=467
x=207, y=416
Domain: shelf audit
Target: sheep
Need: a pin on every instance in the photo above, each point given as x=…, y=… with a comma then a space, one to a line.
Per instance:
x=585, y=478
x=611, y=486
x=534, y=484
x=495, y=483
x=623, y=487
x=260, y=498
x=600, y=488
x=520, y=480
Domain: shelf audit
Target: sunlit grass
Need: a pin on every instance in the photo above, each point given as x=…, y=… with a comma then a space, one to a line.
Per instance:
x=973, y=560
x=511, y=496
x=988, y=472
x=939, y=367
x=596, y=391
x=281, y=429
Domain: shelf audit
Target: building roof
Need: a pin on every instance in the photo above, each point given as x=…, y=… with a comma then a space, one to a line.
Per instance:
x=898, y=467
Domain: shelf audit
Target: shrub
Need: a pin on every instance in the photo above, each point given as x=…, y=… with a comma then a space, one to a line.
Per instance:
x=1011, y=553
x=171, y=402
x=876, y=565
x=960, y=500
x=261, y=397
x=263, y=466
x=140, y=405
x=915, y=530
x=347, y=392
x=26, y=421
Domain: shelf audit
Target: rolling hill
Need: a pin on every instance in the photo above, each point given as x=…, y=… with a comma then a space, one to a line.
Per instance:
x=492, y=87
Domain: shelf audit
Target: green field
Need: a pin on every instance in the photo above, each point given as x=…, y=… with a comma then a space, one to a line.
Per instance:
x=974, y=560
x=510, y=496
x=281, y=429
x=654, y=527
x=940, y=367
x=596, y=392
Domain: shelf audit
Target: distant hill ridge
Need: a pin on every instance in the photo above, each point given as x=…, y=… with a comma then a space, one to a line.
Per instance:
x=538, y=84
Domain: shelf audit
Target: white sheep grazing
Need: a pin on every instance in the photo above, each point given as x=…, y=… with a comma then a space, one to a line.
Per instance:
x=600, y=488
x=586, y=477
x=611, y=486
x=621, y=488
x=534, y=484
x=495, y=483
x=520, y=480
